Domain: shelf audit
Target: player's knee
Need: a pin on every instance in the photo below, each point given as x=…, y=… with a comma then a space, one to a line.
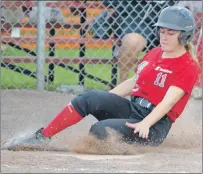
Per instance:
x=98, y=130
x=87, y=102
x=132, y=42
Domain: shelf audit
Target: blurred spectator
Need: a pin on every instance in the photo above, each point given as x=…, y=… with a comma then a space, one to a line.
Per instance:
x=11, y=14
x=131, y=23
x=52, y=15
x=196, y=8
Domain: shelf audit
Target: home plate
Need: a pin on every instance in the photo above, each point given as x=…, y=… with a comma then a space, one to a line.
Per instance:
x=101, y=157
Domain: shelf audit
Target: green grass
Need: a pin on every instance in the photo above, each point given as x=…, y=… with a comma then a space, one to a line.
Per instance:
x=70, y=53
x=11, y=79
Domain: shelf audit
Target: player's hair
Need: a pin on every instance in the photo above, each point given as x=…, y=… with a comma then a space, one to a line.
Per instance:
x=189, y=47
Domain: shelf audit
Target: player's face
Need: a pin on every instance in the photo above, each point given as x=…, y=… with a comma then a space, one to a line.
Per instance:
x=169, y=40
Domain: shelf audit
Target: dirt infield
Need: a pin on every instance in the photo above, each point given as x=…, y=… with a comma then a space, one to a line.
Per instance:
x=26, y=111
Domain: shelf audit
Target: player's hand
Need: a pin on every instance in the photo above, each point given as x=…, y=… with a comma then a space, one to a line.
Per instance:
x=142, y=128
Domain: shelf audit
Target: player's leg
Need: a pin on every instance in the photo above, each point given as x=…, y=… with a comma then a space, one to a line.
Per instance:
x=103, y=105
x=157, y=133
x=131, y=45
x=99, y=129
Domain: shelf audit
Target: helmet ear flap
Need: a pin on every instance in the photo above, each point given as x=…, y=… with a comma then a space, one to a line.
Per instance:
x=185, y=37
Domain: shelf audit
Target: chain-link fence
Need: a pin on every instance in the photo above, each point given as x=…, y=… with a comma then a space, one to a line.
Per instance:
x=82, y=41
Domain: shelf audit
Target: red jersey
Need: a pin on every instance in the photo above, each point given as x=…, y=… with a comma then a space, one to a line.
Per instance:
x=156, y=74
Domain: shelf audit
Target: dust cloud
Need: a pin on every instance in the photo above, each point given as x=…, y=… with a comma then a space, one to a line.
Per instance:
x=185, y=135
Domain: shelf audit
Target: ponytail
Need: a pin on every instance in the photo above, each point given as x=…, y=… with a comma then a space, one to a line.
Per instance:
x=189, y=47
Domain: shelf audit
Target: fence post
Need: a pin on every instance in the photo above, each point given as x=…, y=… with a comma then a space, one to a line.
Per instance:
x=51, y=54
x=114, y=70
x=41, y=33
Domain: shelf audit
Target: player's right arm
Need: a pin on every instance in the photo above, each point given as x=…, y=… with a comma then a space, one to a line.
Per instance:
x=125, y=88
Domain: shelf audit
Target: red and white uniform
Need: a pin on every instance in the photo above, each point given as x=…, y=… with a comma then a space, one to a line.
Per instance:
x=156, y=74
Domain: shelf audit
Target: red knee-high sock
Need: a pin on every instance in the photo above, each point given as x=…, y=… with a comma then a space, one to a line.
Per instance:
x=67, y=117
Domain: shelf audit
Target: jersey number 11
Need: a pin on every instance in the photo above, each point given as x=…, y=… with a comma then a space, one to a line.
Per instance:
x=160, y=79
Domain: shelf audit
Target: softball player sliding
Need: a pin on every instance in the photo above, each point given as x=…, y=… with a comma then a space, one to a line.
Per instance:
x=159, y=91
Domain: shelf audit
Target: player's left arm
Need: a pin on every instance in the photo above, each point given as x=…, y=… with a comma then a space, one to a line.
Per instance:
x=173, y=95
x=182, y=85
